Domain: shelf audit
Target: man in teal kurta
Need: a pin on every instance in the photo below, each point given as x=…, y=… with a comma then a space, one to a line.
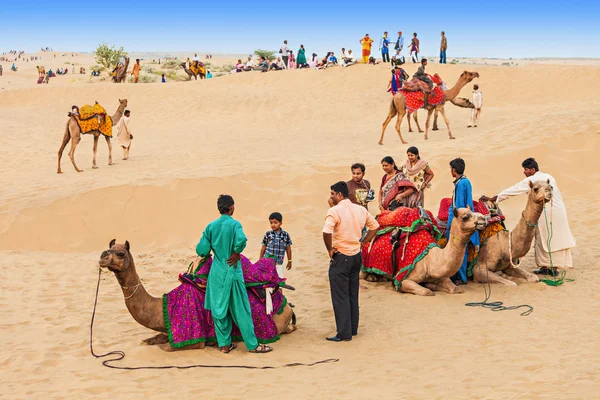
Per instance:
x=226, y=295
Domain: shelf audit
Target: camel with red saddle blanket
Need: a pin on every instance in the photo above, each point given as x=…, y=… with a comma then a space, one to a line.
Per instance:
x=501, y=250
x=404, y=102
x=415, y=259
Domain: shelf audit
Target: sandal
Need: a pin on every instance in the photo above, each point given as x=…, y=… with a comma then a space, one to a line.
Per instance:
x=227, y=349
x=262, y=348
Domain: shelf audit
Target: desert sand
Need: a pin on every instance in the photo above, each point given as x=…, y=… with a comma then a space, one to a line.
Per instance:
x=276, y=141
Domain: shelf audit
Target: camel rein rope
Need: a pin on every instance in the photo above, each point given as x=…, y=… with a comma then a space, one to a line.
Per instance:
x=496, y=305
x=119, y=355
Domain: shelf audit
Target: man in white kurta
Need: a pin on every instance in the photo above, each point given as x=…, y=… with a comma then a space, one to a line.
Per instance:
x=477, y=101
x=124, y=134
x=552, y=224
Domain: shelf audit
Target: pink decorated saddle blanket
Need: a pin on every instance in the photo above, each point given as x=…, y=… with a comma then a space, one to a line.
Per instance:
x=416, y=100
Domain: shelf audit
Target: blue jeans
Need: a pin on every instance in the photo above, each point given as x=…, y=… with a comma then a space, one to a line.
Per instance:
x=442, y=56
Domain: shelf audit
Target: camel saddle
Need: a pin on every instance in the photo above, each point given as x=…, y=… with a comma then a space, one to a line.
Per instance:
x=93, y=118
x=416, y=99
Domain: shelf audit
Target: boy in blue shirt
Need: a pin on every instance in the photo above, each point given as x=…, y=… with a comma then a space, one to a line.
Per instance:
x=277, y=243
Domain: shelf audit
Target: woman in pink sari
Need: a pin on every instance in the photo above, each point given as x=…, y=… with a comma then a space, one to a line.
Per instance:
x=395, y=190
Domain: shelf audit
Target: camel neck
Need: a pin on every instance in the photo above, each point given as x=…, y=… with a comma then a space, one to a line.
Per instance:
x=524, y=232
x=453, y=92
x=145, y=309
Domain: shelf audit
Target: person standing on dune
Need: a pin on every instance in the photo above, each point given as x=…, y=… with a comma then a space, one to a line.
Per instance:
x=366, y=43
x=136, y=71
x=124, y=133
x=226, y=295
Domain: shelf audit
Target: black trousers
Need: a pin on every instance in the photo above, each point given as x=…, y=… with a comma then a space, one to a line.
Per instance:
x=344, y=273
x=285, y=60
x=385, y=56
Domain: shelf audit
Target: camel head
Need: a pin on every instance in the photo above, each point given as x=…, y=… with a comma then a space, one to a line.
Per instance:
x=123, y=103
x=468, y=76
x=468, y=221
x=117, y=258
x=541, y=192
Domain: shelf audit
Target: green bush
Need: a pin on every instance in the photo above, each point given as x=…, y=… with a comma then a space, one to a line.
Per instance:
x=145, y=78
x=171, y=64
x=147, y=68
x=108, y=56
x=97, y=67
x=268, y=54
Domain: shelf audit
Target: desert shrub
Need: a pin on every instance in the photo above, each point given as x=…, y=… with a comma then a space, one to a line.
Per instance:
x=108, y=56
x=170, y=64
x=145, y=78
x=268, y=54
x=147, y=68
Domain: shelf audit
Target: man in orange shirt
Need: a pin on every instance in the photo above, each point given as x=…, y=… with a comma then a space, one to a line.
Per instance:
x=341, y=234
x=136, y=71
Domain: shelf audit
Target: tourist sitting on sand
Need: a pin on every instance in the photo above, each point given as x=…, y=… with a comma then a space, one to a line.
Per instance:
x=314, y=60
x=13, y=68
x=348, y=59
x=278, y=65
x=323, y=62
x=332, y=60
x=249, y=64
x=263, y=65
x=239, y=66
x=208, y=74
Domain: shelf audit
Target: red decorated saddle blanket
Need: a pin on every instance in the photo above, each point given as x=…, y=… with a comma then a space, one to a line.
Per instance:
x=405, y=237
x=416, y=100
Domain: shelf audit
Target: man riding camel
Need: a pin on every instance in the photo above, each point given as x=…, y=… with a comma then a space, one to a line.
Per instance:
x=422, y=76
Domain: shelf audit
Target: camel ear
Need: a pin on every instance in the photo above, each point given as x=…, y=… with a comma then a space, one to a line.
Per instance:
x=112, y=243
x=469, y=207
x=127, y=245
x=530, y=184
x=455, y=212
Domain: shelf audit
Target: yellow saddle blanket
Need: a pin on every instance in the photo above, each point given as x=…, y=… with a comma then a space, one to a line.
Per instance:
x=197, y=69
x=94, y=118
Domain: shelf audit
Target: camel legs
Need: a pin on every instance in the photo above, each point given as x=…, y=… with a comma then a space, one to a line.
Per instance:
x=64, y=143
x=445, y=285
x=416, y=117
x=435, y=117
x=74, y=142
x=413, y=287
x=391, y=115
x=409, y=125
x=519, y=275
x=443, y=112
x=398, y=123
x=94, y=166
x=481, y=275
x=109, y=151
x=429, y=112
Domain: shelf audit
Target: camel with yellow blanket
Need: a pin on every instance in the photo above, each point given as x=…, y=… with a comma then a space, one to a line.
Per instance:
x=93, y=120
x=196, y=70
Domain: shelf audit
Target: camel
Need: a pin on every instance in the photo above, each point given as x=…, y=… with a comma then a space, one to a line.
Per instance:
x=398, y=107
x=72, y=131
x=121, y=74
x=41, y=71
x=148, y=310
x=459, y=102
x=497, y=255
x=191, y=73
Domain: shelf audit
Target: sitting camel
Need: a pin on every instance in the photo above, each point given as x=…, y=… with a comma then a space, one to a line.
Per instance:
x=73, y=131
x=147, y=310
x=398, y=107
x=500, y=254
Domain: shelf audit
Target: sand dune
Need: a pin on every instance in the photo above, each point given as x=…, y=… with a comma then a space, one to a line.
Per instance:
x=276, y=142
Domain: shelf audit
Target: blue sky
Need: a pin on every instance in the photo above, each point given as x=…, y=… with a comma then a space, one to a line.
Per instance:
x=474, y=29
